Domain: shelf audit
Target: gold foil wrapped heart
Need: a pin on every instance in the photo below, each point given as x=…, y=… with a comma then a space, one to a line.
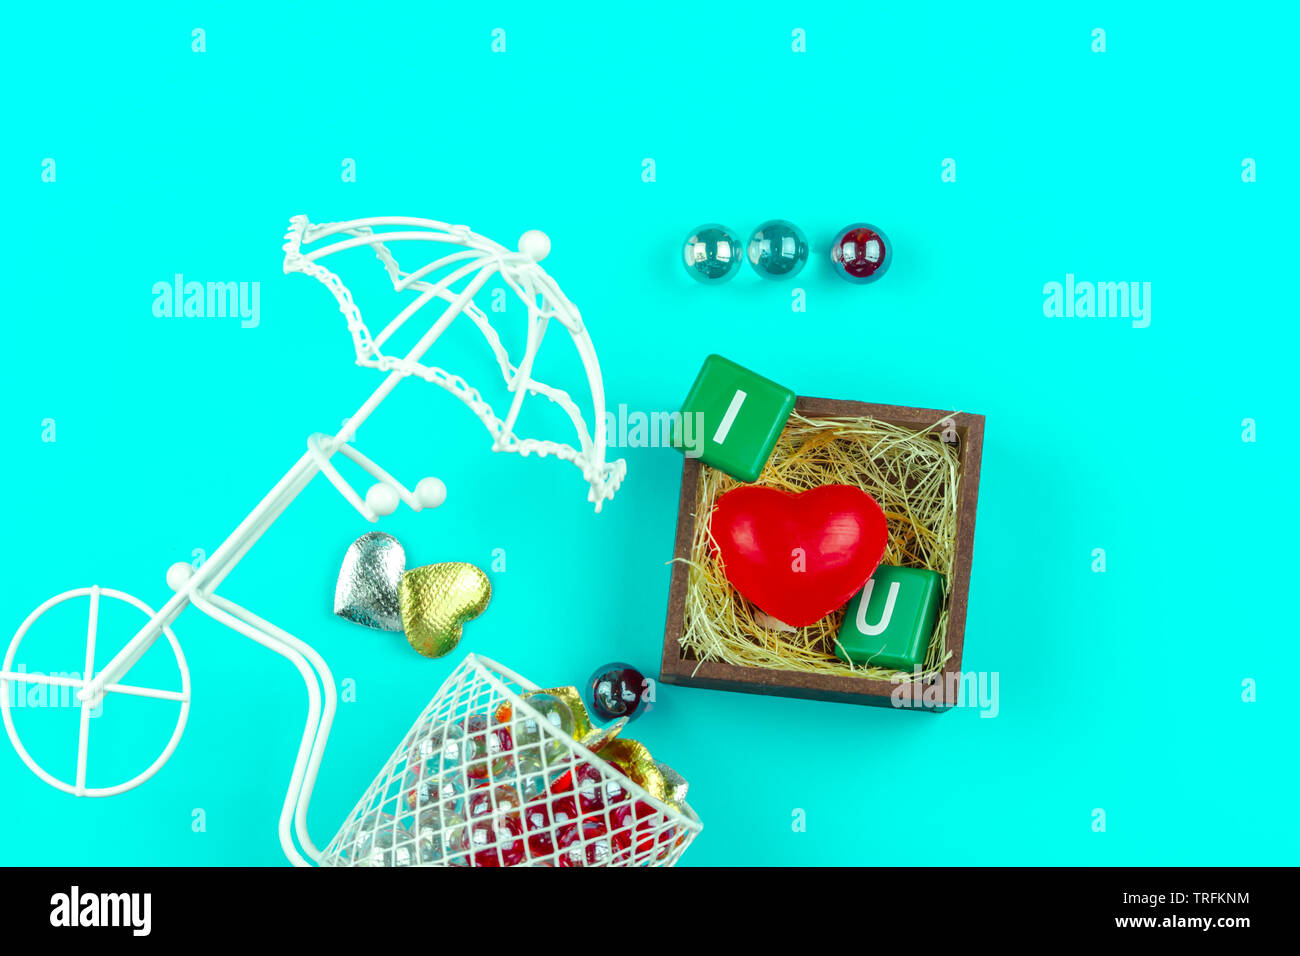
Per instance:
x=629, y=757
x=633, y=760
x=436, y=601
x=599, y=737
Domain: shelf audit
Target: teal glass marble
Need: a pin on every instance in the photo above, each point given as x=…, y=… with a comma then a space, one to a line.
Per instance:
x=711, y=254
x=778, y=249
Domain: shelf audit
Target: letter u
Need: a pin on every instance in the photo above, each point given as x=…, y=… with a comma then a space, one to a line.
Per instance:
x=871, y=630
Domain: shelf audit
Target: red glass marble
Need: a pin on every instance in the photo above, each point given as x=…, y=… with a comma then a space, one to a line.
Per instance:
x=497, y=842
x=615, y=690
x=537, y=819
x=593, y=790
x=861, y=253
x=594, y=850
x=564, y=810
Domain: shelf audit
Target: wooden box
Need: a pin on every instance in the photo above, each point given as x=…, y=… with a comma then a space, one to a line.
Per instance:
x=676, y=668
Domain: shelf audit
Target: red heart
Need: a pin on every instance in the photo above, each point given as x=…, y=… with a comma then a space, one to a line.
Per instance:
x=799, y=556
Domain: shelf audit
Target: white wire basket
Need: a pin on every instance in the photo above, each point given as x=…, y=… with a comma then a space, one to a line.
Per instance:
x=484, y=779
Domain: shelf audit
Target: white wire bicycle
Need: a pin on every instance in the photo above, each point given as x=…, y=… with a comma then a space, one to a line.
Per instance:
x=455, y=278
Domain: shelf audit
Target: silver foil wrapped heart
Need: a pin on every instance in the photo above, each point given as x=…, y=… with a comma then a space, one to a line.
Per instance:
x=368, y=588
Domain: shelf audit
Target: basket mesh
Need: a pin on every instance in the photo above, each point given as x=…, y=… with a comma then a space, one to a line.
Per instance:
x=482, y=779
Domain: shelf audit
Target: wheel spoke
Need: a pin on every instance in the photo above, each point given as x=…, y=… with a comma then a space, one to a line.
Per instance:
x=92, y=629
x=83, y=735
x=22, y=677
x=146, y=692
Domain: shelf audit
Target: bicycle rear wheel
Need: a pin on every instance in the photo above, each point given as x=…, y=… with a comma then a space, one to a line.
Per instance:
x=95, y=595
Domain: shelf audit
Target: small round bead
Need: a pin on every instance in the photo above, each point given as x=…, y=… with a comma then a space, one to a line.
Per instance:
x=430, y=492
x=778, y=249
x=711, y=254
x=535, y=244
x=861, y=253
x=382, y=499
x=179, y=574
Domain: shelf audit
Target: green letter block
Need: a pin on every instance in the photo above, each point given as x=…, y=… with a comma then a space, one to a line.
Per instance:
x=732, y=418
x=889, y=622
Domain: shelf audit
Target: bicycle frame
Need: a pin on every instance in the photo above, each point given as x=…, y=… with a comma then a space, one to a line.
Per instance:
x=199, y=591
x=198, y=587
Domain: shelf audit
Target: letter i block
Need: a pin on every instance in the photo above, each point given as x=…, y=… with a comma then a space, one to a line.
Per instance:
x=889, y=622
x=732, y=418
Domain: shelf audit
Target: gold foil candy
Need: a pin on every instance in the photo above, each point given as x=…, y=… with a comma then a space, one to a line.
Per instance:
x=599, y=738
x=630, y=757
x=436, y=601
x=633, y=759
x=676, y=784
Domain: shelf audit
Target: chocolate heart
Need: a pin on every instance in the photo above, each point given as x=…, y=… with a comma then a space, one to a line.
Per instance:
x=437, y=600
x=798, y=556
x=367, y=589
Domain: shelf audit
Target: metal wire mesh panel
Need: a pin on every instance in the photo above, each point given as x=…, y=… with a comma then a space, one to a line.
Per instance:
x=484, y=779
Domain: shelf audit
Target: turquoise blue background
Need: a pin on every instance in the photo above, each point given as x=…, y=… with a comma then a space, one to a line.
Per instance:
x=1120, y=691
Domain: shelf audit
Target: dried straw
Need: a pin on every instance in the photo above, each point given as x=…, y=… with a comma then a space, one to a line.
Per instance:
x=914, y=475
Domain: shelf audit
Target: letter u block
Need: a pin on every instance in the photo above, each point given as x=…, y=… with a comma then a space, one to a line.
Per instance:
x=889, y=622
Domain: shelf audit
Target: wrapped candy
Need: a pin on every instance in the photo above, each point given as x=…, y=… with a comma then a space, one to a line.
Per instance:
x=515, y=785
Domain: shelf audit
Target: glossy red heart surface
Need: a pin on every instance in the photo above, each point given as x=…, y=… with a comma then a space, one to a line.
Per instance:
x=799, y=556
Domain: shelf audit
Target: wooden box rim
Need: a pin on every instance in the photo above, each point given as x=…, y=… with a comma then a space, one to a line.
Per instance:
x=716, y=675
